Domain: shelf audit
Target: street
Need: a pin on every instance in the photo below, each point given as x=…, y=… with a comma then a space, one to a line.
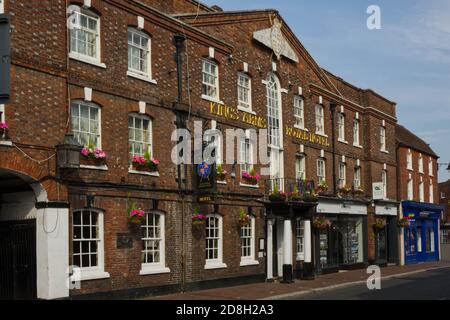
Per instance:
x=429, y=285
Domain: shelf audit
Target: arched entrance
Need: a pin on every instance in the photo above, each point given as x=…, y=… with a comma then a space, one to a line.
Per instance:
x=18, y=213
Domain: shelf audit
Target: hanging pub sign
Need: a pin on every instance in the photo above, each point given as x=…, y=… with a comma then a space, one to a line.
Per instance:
x=204, y=178
x=5, y=59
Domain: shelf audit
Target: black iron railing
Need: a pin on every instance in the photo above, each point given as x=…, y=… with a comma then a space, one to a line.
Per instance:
x=291, y=188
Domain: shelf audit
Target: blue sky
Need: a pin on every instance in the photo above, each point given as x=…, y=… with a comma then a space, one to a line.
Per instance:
x=407, y=61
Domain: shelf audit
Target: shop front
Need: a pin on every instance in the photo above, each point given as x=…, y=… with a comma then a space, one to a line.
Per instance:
x=386, y=239
x=342, y=245
x=422, y=241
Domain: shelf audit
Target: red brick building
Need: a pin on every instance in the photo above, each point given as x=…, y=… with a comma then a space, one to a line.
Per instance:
x=444, y=199
x=120, y=77
x=418, y=190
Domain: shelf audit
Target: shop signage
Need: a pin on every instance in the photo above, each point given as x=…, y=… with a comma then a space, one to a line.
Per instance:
x=307, y=136
x=378, y=191
x=232, y=113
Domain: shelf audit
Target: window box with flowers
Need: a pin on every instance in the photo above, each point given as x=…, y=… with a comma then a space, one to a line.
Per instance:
x=221, y=174
x=322, y=188
x=359, y=193
x=277, y=195
x=92, y=156
x=251, y=177
x=321, y=223
x=3, y=130
x=145, y=163
x=344, y=192
x=295, y=196
x=380, y=224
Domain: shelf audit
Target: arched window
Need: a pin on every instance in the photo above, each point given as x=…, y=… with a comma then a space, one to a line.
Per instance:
x=140, y=135
x=87, y=243
x=139, y=53
x=274, y=110
x=248, y=251
x=153, y=256
x=86, y=123
x=85, y=35
x=214, y=242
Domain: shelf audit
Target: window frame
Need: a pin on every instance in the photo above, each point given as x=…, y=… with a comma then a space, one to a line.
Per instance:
x=149, y=73
x=357, y=177
x=246, y=150
x=150, y=132
x=99, y=113
x=383, y=139
x=341, y=127
x=300, y=169
x=421, y=191
x=421, y=166
x=154, y=267
x=409, y=160
x=84, y=57
x=342, y=175
x=300, y=239
x=215, y=263
x=356, y=133
x=97, y=272
x=410, y=189
x=251, y=259
x=299, y=112
x=320, y=178
x=242, y=105
x=431, y=191
x=430, y=167
x=320, y=119
x=216, y=85
x=384, y=180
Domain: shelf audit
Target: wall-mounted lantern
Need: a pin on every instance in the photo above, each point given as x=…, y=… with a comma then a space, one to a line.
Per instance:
x=68, y=153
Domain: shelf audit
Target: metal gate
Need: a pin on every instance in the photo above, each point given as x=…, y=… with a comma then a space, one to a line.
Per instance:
x=18, y=260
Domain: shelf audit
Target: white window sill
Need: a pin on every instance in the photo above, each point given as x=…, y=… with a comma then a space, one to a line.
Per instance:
x=249, y=186
x=100, y=168
x=421, y=172
x=93, y=62
x=141, y=77
x=87, y=275
x=6, y=143
x=358, y=146
x=385, y=151
x=321, y=134
x=247, y=110
x=300, y=257
x=150, y=270
x=342, y=141
x=247, y=263
x=410, y=169
x=222, y=183
x=215, y=265
x=300, y=127
x=143, y=173
x=211, y=99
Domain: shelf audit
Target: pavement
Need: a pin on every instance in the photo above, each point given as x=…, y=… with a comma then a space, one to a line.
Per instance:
x=322, y=283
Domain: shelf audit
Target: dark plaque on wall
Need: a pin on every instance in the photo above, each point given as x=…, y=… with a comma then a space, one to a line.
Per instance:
x=5, y=58
x=124, y=241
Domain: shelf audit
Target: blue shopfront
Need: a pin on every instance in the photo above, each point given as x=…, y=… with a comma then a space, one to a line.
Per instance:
x=422, y=236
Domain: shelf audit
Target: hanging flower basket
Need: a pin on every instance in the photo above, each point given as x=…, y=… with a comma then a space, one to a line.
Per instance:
x=244, y=219
x=3, y=128
x=251, y=177
x=322, y=188
x=310, y=197
x=145, y=163
x=380, y=224
x=277, y=195
x=321, y=223
x=198, y=219
x=137, y=217
x=404, y=223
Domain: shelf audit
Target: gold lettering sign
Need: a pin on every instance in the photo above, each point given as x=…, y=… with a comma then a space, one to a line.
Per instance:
x=231, y=113
x=307, y=136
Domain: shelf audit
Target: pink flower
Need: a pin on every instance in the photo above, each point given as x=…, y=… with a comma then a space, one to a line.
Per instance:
x=155, y=162
x=85, y=152
x=99, y=154
x=3, y=125
x=201, y=216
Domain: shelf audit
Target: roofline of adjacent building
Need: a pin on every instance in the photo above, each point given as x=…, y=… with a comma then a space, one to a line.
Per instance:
x=410, y=146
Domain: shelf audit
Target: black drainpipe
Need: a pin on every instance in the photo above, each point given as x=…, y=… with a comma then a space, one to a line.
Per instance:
x=179, y=44
x=333, y=144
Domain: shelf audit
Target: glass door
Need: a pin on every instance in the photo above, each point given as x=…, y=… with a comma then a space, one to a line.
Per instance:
x=381, y=245
x=411, y=244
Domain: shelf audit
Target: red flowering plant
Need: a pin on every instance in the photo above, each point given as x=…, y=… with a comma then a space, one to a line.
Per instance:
x=93, y=153
x=3, y=128
x=198, y=219
x=145, y=163
x=136, y=216
x=344, y=191
x=321, y=223
x=277, y=195
x=251, y=177
x=295, y=196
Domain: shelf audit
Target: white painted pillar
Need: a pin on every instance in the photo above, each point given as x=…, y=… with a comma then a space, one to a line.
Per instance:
x=269, y=250
x=52, y=233
x=402, y=240
x=287, y=250
x=439, y=240
x=308, y=244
